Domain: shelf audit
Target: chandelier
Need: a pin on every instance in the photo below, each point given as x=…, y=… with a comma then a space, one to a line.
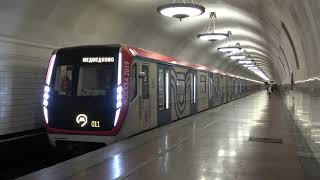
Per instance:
x=240, y=56
x=253, y=68
x=209, y=33
x=230, y=48
x=181, y=9
x=249, y=65
x=245, y=61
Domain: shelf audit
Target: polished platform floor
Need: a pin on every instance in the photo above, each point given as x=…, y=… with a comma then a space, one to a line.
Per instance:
x=213, y=145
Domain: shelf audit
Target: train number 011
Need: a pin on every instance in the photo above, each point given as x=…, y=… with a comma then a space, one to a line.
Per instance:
x=95, y=124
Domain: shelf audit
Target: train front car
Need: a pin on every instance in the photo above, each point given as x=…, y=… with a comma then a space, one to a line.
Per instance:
x=86, y=93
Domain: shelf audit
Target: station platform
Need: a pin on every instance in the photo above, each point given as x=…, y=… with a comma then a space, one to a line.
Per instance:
x=247, y=139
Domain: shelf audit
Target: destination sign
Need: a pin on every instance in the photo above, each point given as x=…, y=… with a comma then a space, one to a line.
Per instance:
x=98, y=59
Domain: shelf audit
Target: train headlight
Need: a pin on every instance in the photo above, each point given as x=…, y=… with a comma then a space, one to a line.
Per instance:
x=118, y=104
x=45, y=102
x=50, y=68
x=46, y=96
x=47, y=88
x=119, y=97
x=117, y=117
x=45, y=112
x=119, y=90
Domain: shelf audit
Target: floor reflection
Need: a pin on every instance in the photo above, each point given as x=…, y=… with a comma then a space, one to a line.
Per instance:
x=304, y=109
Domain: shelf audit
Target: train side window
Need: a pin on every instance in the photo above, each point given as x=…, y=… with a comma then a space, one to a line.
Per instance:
x=161, y=98
x=181, y=84
x=203, y=84
x=145, y=86
x=133, y=82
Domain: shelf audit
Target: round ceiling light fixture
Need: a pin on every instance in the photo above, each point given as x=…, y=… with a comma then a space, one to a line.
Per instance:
x=249, y=65
x=209, y=33
x=181, y=10
x=238, y=57
x=230, y=49
x=245, y=61
x=254, y=70
x=241, y=56
x=212, y=36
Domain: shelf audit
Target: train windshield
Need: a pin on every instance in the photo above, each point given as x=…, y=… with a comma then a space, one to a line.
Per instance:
x=84, y=80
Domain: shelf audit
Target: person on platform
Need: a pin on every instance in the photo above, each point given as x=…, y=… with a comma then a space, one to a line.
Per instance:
x=269, y=90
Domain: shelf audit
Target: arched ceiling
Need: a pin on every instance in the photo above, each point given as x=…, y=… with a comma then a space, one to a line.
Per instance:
x=257, y=25
x=247, y=29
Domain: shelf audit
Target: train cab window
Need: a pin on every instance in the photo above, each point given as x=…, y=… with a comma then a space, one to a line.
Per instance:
x=133, y=82
x=95, y=80
x=161, y=97
x=145, y=85
x=63, y=83
x=203, y=84
x=181, y=84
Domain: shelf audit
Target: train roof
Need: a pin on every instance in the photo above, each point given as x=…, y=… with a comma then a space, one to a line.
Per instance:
x=168, y=59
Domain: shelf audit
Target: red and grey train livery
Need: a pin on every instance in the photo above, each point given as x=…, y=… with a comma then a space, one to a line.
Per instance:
x=104, y=93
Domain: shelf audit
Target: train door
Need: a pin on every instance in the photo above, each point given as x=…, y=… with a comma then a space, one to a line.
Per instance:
x=226, y=89
x=217, y=88
x=222, y=89
x=211, y=91
x=164, y=100
x=234, y=89
x=144, y=95
x=226, y=99
x=194, y=93
x=230, y=88
x=240, y=88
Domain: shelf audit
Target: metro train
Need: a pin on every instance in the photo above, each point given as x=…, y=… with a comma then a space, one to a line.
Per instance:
x=104, y=93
